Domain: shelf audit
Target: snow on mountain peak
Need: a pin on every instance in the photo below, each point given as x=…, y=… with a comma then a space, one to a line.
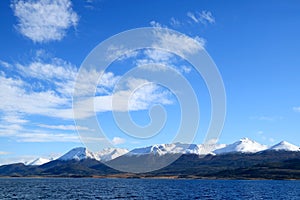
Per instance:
x=78, y=153
x=245, y=139
x=284, y=146
x=81, y=153
x=39, y=161
x=110, y=154
x=175, y=148
x=244, y=145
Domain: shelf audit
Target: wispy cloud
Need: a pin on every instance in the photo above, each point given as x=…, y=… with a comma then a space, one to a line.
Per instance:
x=4, y=64
x=203, y=17
x=21, y=134
x=38, y=88
x=4, y=153
x=13, y=118
x=265, y=136
x=296, y=109
x=168, y=40
x=157, y=60
x=118, y=140
x=161, y=60
x=174, y=22
x=156, y=24
x=42, y=86
x=119, y=53
x=40, y=136
x=272, y=140
x=18, y=96
x=132, y=95
x=63, y=127
x=266, y=118
x=10, y=130
x=207, y=16
x=44, y=20
x=53, y=95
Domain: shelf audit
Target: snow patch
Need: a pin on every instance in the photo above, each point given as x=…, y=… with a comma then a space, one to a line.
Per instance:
x=284, y=146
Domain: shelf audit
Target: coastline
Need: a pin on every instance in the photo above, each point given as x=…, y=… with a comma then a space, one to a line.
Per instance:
x=119, y=176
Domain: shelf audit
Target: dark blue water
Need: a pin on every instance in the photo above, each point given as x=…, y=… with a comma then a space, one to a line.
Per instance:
x=59, y=188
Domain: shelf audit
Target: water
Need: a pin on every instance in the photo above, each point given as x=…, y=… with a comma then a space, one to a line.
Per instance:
x=85, y=188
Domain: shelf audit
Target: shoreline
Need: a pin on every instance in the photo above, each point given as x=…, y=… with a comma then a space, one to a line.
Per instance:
x=144, y=177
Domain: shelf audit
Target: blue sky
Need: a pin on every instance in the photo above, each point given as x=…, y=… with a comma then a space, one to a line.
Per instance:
x=255, y=45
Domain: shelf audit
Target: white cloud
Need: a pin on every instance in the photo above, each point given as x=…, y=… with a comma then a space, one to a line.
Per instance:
x=158, y=56
x=44, y=20
x=132, y=95
x=10, y=129
x=193, y=17
x=266, y=118
x=174, y=22
x=86, y=82
x=46, y=88
x=124, y=95
x=4, y=153
x=57, y=72
x=139, y=95
x=155, y=24
x=147, y=95
x=63, y=127
x=260, y=132
x=119, y=53
x=5, y=64
x=107, y=82
x=272, y=140
x=180, y=44
x=118, y=140
x=203, y=17
x=14, y=118
x=186, y=69
x=16, y=98
x=206, y=15
x=266, y=137
x=21, y=134
x=157, y=60
x=41, y=88
x=57, y=69
x=296, y=109
x=39, y=136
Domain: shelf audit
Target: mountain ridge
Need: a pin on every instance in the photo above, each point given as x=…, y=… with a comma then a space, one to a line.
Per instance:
x=244, y=145
x=260, y=165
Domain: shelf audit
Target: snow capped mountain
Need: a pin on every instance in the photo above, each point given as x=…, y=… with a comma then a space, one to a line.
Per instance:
x=81, y=153
x=110, y=154
x=284, y=146
x=175, y=148
x=244, y=145
x=39, y=161
x=78, y=153
x=162, y=149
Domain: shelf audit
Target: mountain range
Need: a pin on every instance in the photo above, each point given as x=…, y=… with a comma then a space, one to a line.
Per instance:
x=244, y=145
x=244, y=159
